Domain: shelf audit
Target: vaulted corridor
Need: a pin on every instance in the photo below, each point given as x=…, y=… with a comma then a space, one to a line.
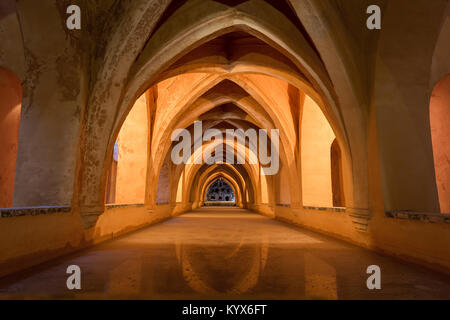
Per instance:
x=225, y=148
x=226, y=253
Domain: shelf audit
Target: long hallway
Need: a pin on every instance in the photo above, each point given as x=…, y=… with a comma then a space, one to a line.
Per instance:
x=225, y=253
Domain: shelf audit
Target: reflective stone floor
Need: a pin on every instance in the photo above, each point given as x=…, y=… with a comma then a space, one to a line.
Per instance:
x=225, y=253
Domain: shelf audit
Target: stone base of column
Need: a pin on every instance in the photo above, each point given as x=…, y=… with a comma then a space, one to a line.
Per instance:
x=360, y=218
x=90, y=214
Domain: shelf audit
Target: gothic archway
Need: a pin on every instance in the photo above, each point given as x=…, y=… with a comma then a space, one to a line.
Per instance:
x=440, y=135
x=220, y=192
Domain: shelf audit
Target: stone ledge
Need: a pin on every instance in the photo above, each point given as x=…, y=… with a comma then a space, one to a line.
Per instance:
x=32, y=211
x=118, y=206
x=324, y=209
x=419, y=216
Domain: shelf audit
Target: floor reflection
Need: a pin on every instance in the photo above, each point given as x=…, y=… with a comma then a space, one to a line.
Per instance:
x=203, y=267
x=225, y=254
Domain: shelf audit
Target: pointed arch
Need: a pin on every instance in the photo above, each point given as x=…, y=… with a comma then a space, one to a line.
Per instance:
x=204, y=21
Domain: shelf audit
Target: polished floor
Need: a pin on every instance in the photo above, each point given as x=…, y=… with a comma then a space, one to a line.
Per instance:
x=226, y=253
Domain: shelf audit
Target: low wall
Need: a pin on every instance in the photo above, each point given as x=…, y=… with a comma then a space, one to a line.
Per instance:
x=34, y=235
x=414, y=237
x=425, y=240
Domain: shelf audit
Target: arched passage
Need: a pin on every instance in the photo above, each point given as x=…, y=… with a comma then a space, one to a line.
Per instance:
x=220, y=192
x=237, y=176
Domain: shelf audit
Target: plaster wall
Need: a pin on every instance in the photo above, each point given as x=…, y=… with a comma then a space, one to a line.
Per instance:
x=401, y=95
x=132, y=164
x=283, y=193
x=12, y=53
x=53, y=99
x=264, y=190
x=441, y=63
x=169, y=97
x=413, y=241
x=316, y=139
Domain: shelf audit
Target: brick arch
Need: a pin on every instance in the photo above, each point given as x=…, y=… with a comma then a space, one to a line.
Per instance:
x=166, y=45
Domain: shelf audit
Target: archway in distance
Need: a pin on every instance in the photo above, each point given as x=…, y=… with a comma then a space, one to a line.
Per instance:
x=220, y=193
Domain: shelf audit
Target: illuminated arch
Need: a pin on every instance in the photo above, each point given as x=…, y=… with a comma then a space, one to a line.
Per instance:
x=155, y=58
